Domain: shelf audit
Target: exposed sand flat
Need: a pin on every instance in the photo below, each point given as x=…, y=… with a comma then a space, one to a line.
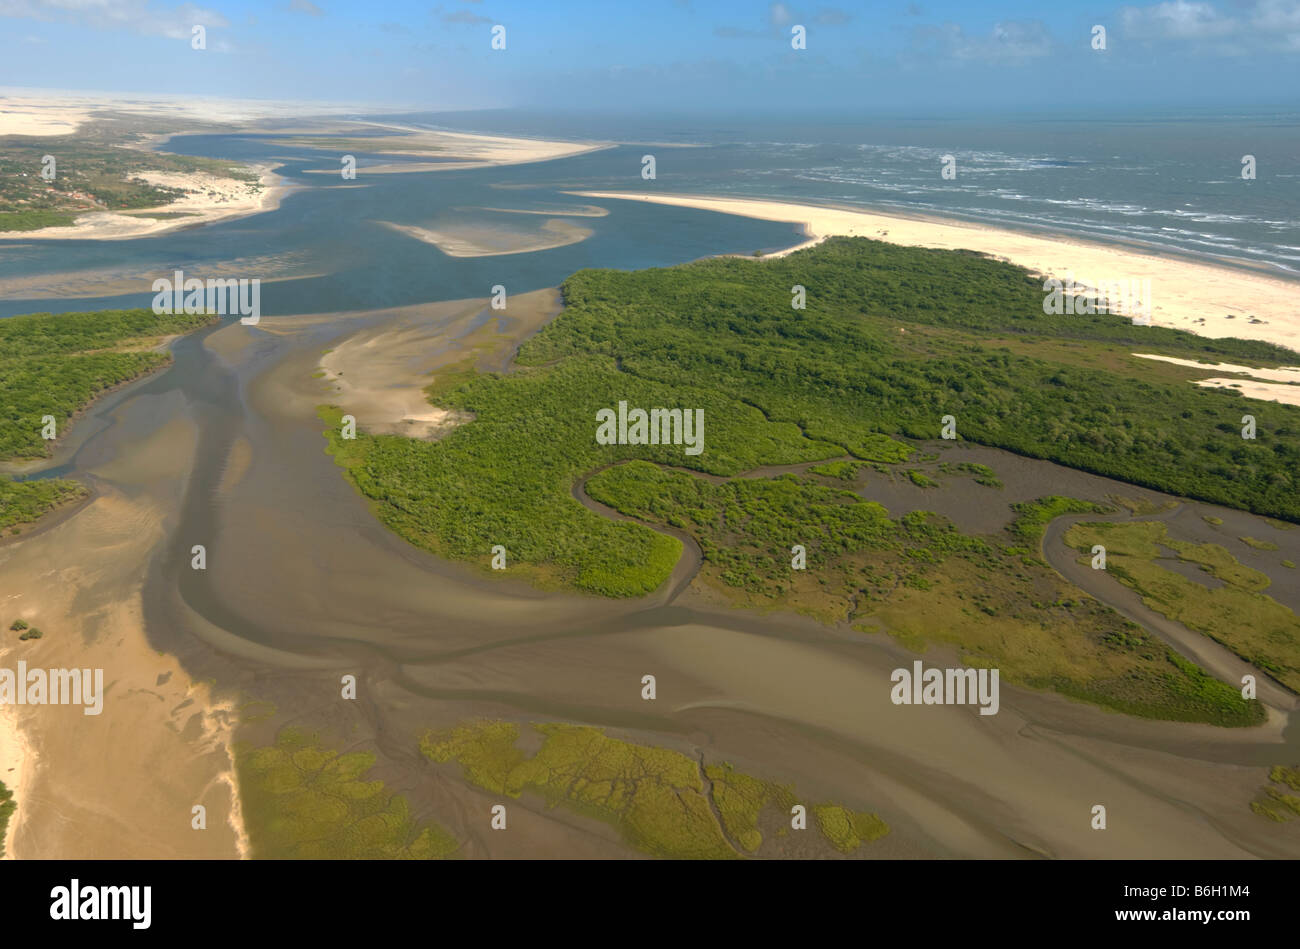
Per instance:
x=1284, y=374
x=495, y=242
x=585, y=210
x=210, y=199
x=114, y=281
x=1196, y=297
x=488, y=149
x=310, y=573
x=463, y=150
x=379, y=374
x=1290, y=394
x=18, y=758
x=20, y=118
x=1268, y=391
x=122, y=783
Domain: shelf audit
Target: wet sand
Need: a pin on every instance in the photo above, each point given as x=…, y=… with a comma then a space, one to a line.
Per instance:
x=303, y=585
x=1282, y=385
x=113, y=281
x=481, y=241
x=379, y=374
x=121, y=783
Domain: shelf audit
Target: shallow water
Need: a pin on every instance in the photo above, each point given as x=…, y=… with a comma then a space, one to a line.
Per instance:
x=303, y=585
x=328, y=249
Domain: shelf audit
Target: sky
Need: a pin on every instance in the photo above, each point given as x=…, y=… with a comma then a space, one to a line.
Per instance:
x=928, y=57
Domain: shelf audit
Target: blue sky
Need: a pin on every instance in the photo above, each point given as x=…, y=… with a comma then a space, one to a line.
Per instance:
x=927, y=56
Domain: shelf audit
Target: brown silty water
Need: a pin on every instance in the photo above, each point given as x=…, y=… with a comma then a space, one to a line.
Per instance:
x=303, y=586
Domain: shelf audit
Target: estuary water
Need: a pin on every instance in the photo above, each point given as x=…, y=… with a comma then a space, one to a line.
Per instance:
x=303, y=585
x=328, y=248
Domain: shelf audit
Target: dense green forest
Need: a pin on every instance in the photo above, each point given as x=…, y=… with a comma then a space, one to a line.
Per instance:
x=22, y=502
x=56, y=364
x=892, y=340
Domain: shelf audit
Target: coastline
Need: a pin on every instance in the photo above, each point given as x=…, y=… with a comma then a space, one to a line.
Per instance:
x=1200, y=298
x=18, y=762
x=211, y=199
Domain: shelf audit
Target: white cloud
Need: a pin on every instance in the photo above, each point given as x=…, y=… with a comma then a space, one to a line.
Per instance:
x=1251, y=25
x=138, y=16
x=1177, y=19
x=1009, y=42
x=464, y=16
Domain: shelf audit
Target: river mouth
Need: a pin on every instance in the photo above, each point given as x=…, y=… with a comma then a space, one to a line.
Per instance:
x=302, y=586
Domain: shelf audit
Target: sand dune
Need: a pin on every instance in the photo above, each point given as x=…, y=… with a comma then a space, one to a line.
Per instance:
x=210, y=198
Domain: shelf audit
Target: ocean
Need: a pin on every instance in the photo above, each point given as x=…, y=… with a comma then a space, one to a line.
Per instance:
x=1168, y=183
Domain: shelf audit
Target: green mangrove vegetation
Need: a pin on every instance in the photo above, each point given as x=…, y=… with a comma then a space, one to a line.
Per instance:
x=7, y=807
x=662, y=802
x=921, y=580
x=1273, y=801
x=55, y=364
x=303, y=801
x=22, y=502
x=1258, y=544
x=1237, y=614
x=779, y=386
x=1032, y=517
x=893, y=339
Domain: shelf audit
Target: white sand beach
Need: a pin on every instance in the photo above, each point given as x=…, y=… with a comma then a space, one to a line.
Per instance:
x=490, y=149
x=208, y=198
x=1201, y=298
x=458, y=150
